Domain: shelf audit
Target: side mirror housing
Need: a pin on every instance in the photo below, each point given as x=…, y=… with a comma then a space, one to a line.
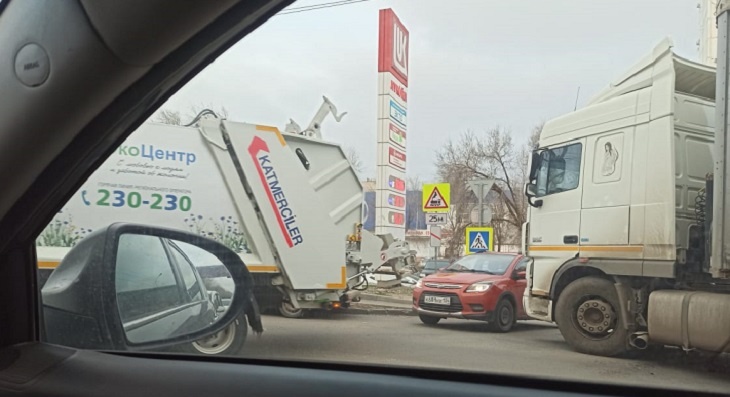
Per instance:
x=534, y=165
x=530, y=190
x=531, y=193
x=135, y=287
x=521, y=275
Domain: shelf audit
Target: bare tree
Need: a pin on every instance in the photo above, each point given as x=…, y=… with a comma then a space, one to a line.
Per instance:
x=415, y=219
x=490, y=154
x=167, y=116
x=533, y=143
x=462, y=202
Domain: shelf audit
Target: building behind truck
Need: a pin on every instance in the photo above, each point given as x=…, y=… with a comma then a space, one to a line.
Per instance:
x=621, y=225
x=288, y=203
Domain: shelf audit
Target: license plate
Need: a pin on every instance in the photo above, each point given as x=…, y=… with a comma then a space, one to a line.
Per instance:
x=438, y=300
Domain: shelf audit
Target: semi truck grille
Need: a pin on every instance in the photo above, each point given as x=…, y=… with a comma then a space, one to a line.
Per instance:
x=454, y=307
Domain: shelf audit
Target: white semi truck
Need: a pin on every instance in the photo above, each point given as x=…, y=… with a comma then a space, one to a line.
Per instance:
x=288, y=203
x=628, y=224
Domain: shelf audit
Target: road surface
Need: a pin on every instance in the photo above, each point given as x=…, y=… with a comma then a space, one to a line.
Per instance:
x=532, y=348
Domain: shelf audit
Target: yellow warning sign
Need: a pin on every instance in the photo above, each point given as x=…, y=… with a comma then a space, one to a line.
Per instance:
x=436, y=197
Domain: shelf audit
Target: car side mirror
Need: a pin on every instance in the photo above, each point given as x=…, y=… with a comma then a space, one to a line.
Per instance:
x=521, y=275
x=135, y=287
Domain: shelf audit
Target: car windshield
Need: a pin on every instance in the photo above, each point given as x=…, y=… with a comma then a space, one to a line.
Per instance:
x=482, y=263
x=345, y=150
x=433, y=265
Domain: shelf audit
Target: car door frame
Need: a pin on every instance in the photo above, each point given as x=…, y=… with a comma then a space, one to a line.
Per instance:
x=519, y=286
x=86, y=148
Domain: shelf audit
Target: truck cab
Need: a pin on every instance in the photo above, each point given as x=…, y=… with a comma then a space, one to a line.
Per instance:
x=617, y=191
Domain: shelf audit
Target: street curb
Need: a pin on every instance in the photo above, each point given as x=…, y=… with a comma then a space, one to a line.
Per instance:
x=380, y=298
x=381, y=312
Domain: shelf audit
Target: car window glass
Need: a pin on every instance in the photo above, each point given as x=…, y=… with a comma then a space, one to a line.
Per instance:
x=432, y=265
x=192, y=285
x=522, y=266
x=370, y=164
x=145, y=281
x=559, y=169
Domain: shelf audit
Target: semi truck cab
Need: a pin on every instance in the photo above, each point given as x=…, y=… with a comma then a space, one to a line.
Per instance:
x=617, y=195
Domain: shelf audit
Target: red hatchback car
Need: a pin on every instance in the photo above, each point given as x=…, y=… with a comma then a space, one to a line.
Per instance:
x=485, y=286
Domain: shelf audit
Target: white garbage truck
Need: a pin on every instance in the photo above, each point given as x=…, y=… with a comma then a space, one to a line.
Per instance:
x=628, y=223
x=288, y=203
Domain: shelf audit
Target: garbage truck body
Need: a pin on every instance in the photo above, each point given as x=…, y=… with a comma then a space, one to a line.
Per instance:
x=289, y=204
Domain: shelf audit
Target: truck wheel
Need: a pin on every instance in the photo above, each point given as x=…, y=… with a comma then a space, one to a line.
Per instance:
x=587, y=313
x=288, y=310
x=429, y=320
x=504, y=317
x=228, y=341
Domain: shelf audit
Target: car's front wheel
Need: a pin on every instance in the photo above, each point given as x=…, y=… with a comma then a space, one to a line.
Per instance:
x=429, y=320
x=228, y=341
x=504, y=317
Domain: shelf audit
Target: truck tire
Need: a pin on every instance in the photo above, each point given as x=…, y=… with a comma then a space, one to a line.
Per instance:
x=228, y=342
x=504, y=317
x=286, y=309
x=587, y=313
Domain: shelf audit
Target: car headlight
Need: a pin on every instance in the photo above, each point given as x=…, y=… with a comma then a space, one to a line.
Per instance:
x=419, y=283
x=479, y=287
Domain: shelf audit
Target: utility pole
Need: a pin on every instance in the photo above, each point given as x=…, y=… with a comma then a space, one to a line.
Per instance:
x=481, y=204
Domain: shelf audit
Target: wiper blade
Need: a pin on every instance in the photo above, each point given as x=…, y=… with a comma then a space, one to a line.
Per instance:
x=481, y=271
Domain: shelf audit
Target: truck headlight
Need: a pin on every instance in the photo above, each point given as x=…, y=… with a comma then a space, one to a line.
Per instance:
x=479, y=287
x=419, y=283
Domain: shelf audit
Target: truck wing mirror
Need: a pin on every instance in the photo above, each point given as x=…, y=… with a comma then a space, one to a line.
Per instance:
x=530, y=193
x=134, y=287
x=534, y=165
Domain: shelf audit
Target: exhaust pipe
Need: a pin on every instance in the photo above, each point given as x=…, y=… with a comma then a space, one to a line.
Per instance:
x=639, y=340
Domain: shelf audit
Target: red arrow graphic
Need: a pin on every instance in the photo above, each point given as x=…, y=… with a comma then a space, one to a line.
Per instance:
x=256, y=146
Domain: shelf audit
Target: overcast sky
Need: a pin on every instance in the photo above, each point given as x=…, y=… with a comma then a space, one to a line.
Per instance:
x=474, y=64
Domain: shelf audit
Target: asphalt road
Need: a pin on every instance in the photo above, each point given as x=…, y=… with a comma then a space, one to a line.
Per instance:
x=532, y=348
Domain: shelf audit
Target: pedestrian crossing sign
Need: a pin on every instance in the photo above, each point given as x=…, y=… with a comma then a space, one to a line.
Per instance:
x=436, y=197
x=479, y=239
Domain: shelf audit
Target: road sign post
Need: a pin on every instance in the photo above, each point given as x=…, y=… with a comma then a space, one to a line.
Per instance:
x=435, y=233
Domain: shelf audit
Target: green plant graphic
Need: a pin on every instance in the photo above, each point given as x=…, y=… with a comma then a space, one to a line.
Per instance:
x=61, y=232
x=224, y=230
